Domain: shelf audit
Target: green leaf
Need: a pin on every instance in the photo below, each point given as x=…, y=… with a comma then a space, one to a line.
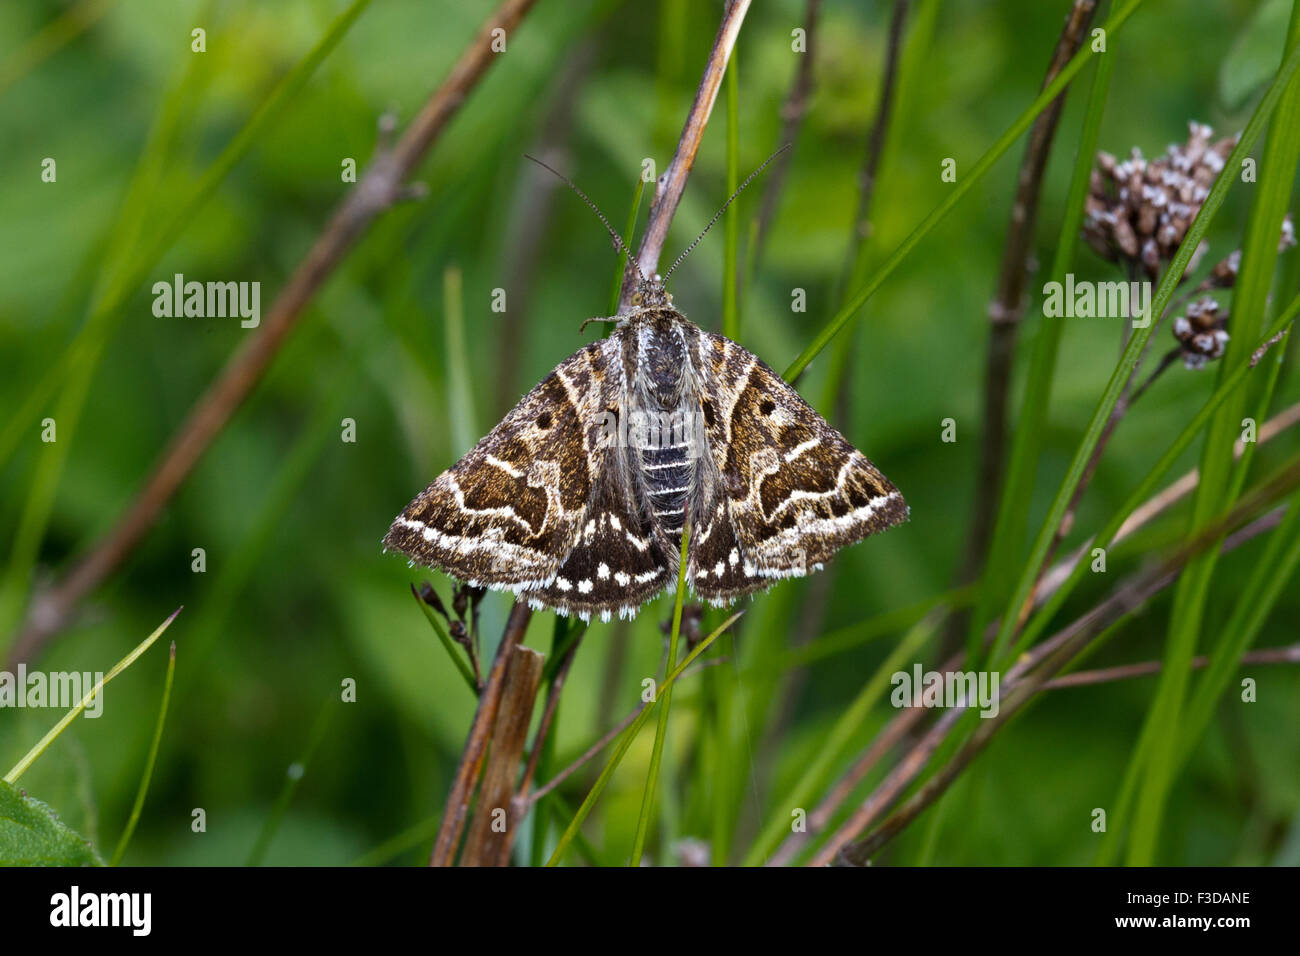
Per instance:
x=31, y=834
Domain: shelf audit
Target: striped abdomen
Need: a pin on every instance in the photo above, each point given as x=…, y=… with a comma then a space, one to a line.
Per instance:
x=667, y=468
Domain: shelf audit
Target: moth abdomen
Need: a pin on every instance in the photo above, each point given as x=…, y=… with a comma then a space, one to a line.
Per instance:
x=667, y=471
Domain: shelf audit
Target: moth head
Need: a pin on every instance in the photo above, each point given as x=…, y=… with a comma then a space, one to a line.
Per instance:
x=651, y=294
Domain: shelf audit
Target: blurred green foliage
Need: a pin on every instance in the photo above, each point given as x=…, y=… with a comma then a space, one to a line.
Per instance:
x=297, y=597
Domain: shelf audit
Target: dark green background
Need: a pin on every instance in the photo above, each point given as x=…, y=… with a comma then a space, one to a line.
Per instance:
x=297, y=595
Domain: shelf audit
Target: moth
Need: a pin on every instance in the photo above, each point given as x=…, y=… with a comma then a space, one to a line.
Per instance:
x=578, y=499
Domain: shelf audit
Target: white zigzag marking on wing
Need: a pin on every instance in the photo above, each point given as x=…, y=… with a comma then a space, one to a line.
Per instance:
x=506, y=511
x=799, y=449
x=504, y=465
x=458, y=544
x=799, y=494
x=788, y=539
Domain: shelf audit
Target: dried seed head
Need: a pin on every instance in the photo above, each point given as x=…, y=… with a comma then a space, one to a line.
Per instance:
x=1138, y=210
x=458, y=633
x=1201, y=332
x=1224, y=274
x=430, y=597
x=692, y=619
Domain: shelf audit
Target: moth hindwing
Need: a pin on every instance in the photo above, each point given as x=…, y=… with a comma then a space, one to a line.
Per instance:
x=577, y=499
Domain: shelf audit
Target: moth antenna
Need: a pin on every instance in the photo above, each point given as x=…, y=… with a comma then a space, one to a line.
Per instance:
x=718, y=216
x=618, y=240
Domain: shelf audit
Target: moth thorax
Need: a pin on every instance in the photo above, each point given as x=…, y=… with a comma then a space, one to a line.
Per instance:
x=662, y=363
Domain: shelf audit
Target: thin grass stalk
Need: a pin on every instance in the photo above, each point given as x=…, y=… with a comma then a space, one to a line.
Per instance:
x=292, y=778
x=958, y=192
x=408, y=839
x=105, y=309
x=1136, y=345
x=850, y=722
x=1259, y=255
x=1027, y=438
x=18, y=769
x=628, y=234
x=447, y=643
x=149, y=762
x=727, y=768
x=661, y=729
x=625, y=741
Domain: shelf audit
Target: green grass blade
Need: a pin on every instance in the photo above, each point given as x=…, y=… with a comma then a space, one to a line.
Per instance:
x=1216, y=487
x=964, y=185
x=1012, y=521
x=53, y=37
x=661, y=729
x=850, y=722
x=625, y=741
x=447, y=643
x=293, y=776
x=460, y=397
x=1136, y=344
x=628, y=233
x=30, y=757
x=134, y=818
x=881, y=625
x=408, y=839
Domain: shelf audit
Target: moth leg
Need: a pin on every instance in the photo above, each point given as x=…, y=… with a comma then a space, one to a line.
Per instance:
x=598, y=318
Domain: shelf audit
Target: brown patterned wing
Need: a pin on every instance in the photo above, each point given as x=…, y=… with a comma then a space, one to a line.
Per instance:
x=543, y=505
x=616, y=564
x=508, y=514
x=787, y=491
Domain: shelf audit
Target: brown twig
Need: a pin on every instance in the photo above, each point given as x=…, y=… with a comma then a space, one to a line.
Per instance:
x=1158, y=504
x=1026, y=677
x=809, y=623
x=383, y=184
x=792, y=114
x=875, y=143
x=1121, y=408
x=530, y=217
x=607, y=738
x=661, y=213
x=544, y=727
x=671, y=185
x=1007, y=308
x=1106, y=675
x=490, y=838
x=1258, y=354
x=471, y=758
